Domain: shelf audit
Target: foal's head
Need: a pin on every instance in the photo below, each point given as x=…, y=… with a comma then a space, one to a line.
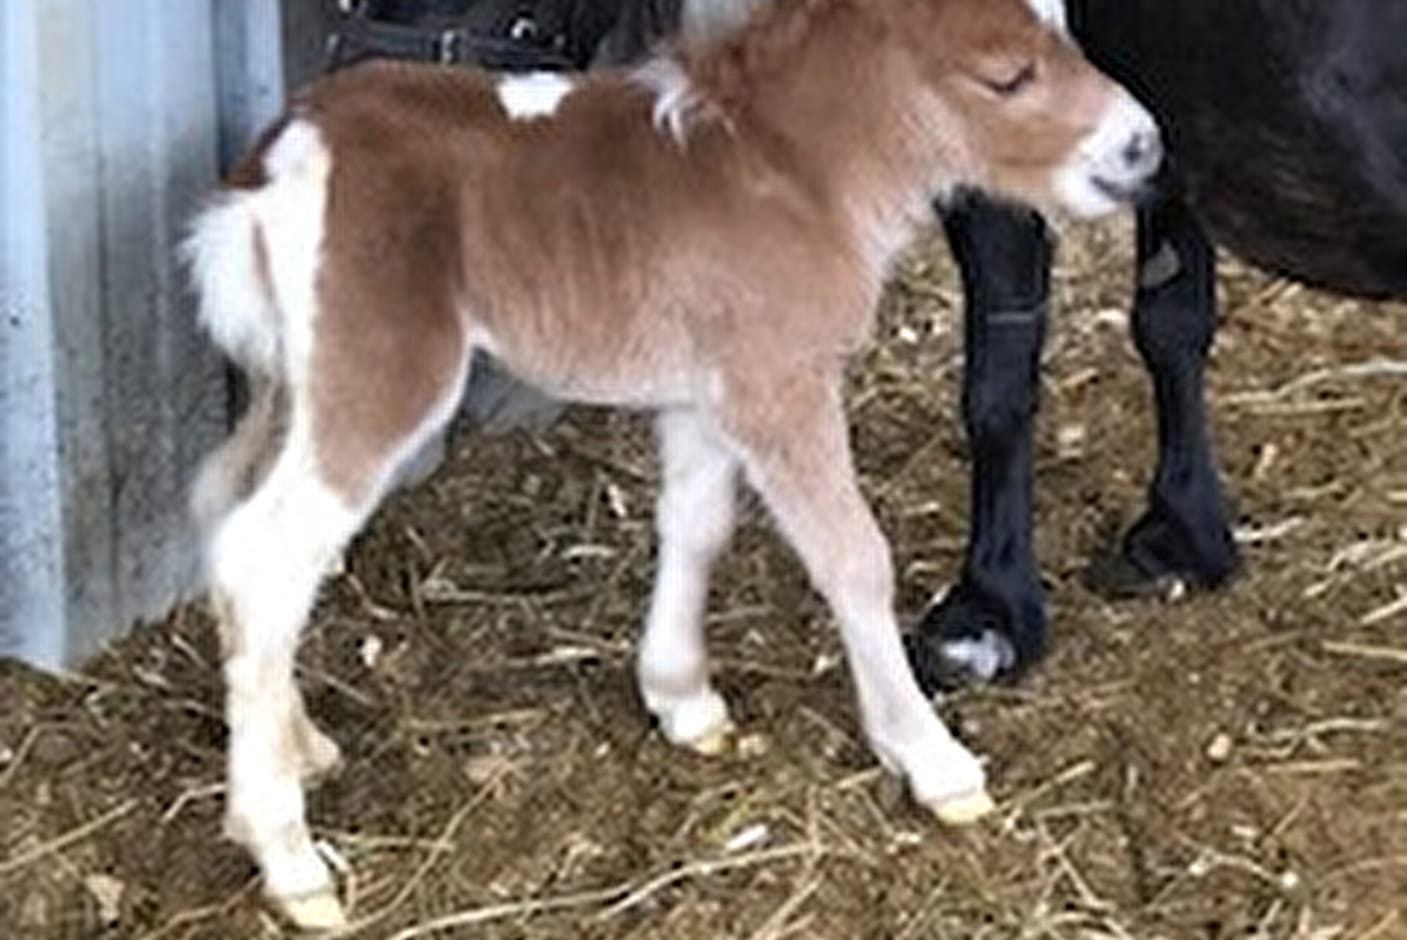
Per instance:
x=1031, y=117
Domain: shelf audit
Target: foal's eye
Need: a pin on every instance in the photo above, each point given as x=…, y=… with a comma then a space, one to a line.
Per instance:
x=1012, y=84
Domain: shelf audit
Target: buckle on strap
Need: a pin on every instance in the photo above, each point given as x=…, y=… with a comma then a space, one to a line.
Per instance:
x=359, y=36
x=450, y=46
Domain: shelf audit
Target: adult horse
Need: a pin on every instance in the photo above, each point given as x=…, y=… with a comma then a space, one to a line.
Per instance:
x=1286, y=122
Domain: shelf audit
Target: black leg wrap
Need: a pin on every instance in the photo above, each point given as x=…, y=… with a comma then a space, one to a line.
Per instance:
x=1183, y=540
x=992, y=623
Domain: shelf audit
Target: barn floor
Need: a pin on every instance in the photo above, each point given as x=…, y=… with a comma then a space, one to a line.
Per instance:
x=1227, y=766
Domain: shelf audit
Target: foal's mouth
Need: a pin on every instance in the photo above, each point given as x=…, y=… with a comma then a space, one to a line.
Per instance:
x=1123, y=191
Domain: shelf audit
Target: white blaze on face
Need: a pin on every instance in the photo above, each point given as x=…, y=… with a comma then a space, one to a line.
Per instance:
x=533, y=95
x=1113, y=162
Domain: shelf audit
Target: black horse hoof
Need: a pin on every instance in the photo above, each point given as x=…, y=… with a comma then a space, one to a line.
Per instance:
x=961, y=641
x=1115, y=576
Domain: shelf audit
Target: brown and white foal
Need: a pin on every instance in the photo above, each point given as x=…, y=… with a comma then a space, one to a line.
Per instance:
x=705, y=236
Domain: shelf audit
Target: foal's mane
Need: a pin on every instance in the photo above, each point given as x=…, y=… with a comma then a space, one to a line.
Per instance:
x=726, y=69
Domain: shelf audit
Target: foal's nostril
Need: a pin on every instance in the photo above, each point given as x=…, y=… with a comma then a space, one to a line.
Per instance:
x=1144, y=150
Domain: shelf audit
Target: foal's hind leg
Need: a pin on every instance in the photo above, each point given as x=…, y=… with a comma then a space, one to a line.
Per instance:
x=694, y=517
x=227, y=478
x=266, y=560
x=229, y=475
x=793, y=439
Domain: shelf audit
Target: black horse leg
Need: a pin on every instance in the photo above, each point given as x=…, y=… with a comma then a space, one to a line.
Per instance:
x=1183, y=540
x=993, y=620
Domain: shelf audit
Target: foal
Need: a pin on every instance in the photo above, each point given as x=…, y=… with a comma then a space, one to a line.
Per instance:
x=705, y=236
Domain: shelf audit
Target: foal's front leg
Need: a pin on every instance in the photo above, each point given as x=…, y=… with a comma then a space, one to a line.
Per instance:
x=793, y=439
x=694, y=516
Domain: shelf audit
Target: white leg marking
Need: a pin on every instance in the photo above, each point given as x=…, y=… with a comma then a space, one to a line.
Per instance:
x=805, y=473
x=267, y=556
x=695, y=517
x=266, y=561
x=229, y=474
x=983, y=657
x=533, y=95
x=905, y=733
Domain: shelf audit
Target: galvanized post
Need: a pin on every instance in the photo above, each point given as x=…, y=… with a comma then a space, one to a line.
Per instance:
x=114, y=119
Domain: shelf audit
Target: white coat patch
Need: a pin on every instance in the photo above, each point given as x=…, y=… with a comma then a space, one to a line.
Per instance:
x=534, y=95
x=1051, y=12
x=253, y=318
x=675, y=97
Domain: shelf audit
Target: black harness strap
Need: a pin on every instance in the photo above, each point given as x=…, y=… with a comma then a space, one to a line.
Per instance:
x=359, y=36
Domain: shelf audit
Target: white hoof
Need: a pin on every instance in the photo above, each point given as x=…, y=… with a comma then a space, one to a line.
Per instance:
x=714, y=743
x=942, y=775
x=700, y=722
x=318, y=755
x=962, y=810
x=319, y=911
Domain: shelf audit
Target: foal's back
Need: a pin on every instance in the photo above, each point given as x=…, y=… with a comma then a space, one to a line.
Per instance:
x=613, y=236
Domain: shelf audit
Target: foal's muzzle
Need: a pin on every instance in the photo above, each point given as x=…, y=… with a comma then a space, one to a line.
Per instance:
x=1116, y=162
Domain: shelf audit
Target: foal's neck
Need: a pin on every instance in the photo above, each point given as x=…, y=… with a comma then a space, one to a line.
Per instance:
x=825, y=87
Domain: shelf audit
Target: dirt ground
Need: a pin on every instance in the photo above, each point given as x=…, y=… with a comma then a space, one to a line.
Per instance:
x=1227, y=766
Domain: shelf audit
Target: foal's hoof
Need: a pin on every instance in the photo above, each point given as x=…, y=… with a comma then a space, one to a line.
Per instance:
x=319, y=911
x=699, y=723
x=713, y=743
x=962, y=810
x=318, y=755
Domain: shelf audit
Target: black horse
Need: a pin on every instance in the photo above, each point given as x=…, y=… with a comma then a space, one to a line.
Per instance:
x=1286, y=122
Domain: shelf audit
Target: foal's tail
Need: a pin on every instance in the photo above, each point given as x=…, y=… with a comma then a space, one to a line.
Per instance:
x=253, y=253
x=228, y=256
